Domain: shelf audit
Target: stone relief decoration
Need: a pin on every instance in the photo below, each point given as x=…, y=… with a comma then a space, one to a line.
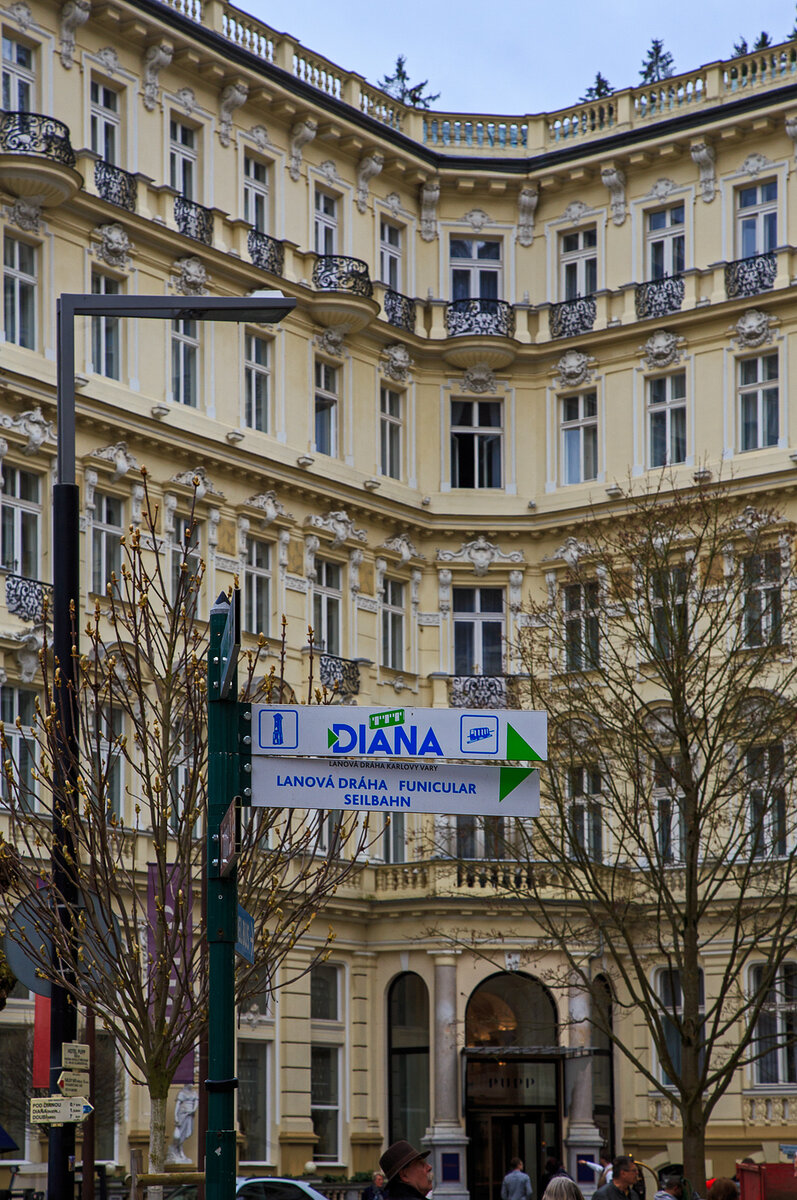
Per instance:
x=32, y=426
x=187, y=98
x=368, y=168
x=244, y=525
x=430, y=194
x=137, y=503
x=393, y=202
x=479, y=379
x=477, y=218
x=73, y=14
x=156, y=57
x=259, y=135
x=403, y=545
x=703, y=156
x=31, y=643
x=661, y=189
x=198, y=477
x=329, y=171
x=397, y=363
x=118, y=454
x=614, y=179
x=90, y=481
x=754, y=164
x=311, y=547
x=570, y=551
x=214, y=517
x=109, y=59
x=26, y=214
x=233, y=96
x=527, y=201
x=20, y=12
x=330, y=341
x=515, y=591
x=302, y=132
x=791, y=129
x=115, y=246
x=269, y=506
x=443, y=591
x=662, y=349
x=340, y=525
x=429, y=619
x=380, y=570
x=481, y=554
x=576, y=211
x=574, y=368
x=355, y=562
x=191, y=277
x=754, y=328
x=169, y=509
x=415, y=586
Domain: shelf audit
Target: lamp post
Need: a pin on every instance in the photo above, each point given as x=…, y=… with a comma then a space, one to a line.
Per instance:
x=267, y=308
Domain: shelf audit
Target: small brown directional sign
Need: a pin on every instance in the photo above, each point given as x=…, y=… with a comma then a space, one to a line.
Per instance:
x=74, y=1083
x=75, y=1056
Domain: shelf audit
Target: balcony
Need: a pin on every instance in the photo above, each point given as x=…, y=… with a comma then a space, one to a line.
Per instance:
x=339, y=675
x=266, y=252
x=495, y=318
x=400, y=311
x=749, y=276
x=193, y=220
x=37, y=162
x=337, y=273
x=115, y=185
x=571, y=318
x=659, y=297
x=344, y=299
x=482, y=691
x=25, y=597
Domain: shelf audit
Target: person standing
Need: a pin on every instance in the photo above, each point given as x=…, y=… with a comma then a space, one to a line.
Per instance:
x=516, y=1185
x=624, y=1175
x=407, y=1172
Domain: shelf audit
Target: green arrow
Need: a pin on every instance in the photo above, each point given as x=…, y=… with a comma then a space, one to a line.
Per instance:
x=510, y=778
x=332, y=739
x=518, y=749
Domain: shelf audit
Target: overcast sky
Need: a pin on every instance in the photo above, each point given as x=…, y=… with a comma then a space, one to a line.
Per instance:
x=518, y=56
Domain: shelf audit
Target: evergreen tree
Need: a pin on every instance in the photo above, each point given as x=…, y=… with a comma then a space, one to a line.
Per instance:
x=740, y=48
x=658, y=63
x=598, y=90
x=398, y=85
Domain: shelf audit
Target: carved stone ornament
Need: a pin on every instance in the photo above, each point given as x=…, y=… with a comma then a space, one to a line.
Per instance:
x=233, y=96
x=576, y=211
x=340, y=525
x=528, y=198
x=393, y=202
x=115, y=246
x=368, y=168
x=269, y=506
x=515, y=591
x=570, y=551
x=403, y=545
x=20, y=12
x=259, y=135
x=396, y=362
x=661, y=189
x=481, y=554
x=479, y=379
x=754, y=328
x=191, y=277
x=311, y=548
x=302, y=132
x=703, y=156
x=73, y=14
x=31, y=643
x=355, y=562
x=791, y=129
x=198, y=479
x=26, y=214
x=574, y=369
x=614, y=179
x=32, y=426
x=477, y=218
x=662, y=349
x=120, y=456
x=109, y=59
x=330, y=341
x=187, y=98
x=444, y=578
x=156, y=57
x=329, y=171
x=430, y=195
x=754, y=164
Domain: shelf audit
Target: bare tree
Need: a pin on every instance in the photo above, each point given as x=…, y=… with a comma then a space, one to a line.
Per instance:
x=135, y=826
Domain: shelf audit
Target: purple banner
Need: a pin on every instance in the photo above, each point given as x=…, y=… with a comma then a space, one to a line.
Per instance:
x=176, y=879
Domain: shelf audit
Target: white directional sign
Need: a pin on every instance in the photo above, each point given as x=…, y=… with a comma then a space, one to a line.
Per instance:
x=427, y=787
x=343, y=731
x=74, y=1083
x=57, y=1110
x=75, y=1056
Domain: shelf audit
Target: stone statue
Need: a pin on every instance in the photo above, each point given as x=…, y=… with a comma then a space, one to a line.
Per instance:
x=184, y=1112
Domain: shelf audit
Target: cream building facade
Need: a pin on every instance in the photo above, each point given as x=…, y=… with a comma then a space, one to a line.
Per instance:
x=498, y=319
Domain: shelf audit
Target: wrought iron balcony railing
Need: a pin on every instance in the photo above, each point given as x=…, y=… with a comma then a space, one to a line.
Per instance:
x=749, y=276
x=478, y=315
x=338, y=273
x=659, y=297
x=341, y=675
x=482, y=691
x=25, y=597
x=266, y=252
x=115, y=185
x=572, y=317
x=400, y=311
x=193, y=220
x=35, y=133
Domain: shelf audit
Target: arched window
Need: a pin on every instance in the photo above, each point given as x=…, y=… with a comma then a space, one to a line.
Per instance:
x=408, y=1053
x=510, y=1010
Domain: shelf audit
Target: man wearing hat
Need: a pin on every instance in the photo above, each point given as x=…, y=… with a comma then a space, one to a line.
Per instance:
x=408, y=1174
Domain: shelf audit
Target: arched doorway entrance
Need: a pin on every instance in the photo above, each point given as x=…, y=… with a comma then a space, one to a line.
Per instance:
x=408, y=1058
x=513, y=1081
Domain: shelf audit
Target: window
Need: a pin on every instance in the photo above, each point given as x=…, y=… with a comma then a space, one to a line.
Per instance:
x=669, y=610
x=671, y=1001
x=582, y=626
x=257, y=584
x=586, y=829
x=758, y=400
x=326, y=223
x=775, y=1042
x=669, y=814
x=665, y=230
x=579, y=437
x=185, y=552
x=21, y=518
x=390, y=425
x=390, y=255
x=324, y=999
x=19, y=292
x=475, y=268
x=108, y=762
x=326, y=408
x=256, y=380
x=478, y=630
x=767, y=800
x=183, y=159
x=579, y=263
x=19, y=704
x=327, y=598
x=105, y=127
x=476, y=438
x=393, y=625
x=185, y=362
x=106, y=541
x=757, y=219
x=408, y=1058
x=325, y=1101
x=481, y=838
x=252, y=1105
x=105, y=331
x=762, y=599
x=255, y=193
x=18, y=77
x=394, y=838
x=667, y=419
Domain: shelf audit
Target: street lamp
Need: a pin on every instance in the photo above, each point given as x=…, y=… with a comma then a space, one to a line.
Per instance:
x=268, y=308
